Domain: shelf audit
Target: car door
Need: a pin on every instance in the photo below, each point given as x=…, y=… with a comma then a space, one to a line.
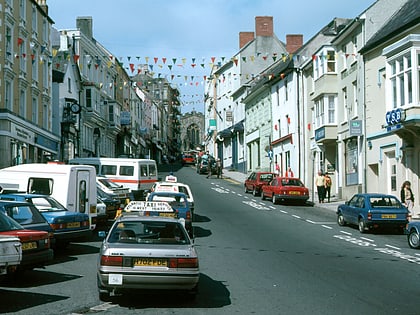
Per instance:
x=249, y=181
x=356, y=208
x=348, y=210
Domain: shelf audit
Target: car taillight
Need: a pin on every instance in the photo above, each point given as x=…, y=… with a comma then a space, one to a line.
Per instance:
x=188, y=216
x=57, y=226
x=369, y=216
x=116, y=261
x=85, y=223
x=183, y=263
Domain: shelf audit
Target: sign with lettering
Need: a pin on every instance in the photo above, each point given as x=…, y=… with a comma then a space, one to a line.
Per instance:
x=356, y=128
x=395, y=116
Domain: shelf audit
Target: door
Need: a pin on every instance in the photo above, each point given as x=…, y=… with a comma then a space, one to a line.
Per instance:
x=85, y=195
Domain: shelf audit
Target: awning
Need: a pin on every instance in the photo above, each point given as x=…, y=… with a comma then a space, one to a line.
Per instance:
x=238, y=127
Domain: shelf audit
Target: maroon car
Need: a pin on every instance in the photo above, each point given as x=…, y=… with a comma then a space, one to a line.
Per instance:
x=256, y=180
x=36, y=251
x=285, y=189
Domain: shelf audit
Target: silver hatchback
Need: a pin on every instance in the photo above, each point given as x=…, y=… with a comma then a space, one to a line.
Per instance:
x=147, y=253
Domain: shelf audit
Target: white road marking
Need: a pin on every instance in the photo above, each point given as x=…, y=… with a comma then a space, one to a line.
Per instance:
x=309, y=221
x=295, y=216
x=256, y=205
x=347, y=233
x=367, y=239
x=327, y=227
x=282, y=211
x=393, y=247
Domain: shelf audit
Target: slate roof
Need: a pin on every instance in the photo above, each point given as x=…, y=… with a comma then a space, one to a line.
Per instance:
x=406, y=17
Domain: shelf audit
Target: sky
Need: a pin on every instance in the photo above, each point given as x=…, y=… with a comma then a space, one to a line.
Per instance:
x=177, y=39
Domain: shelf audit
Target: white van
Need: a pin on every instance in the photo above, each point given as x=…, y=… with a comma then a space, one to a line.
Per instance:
x=136, y=174
x=74, y=186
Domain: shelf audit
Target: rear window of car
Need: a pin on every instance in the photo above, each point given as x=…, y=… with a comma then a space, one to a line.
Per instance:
x=380, y=202
x=25, y=214
x=266, y=177
x=146, y=232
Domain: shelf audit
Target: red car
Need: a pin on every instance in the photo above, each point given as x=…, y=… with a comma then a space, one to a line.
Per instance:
x=285, y=189
x=188, y=159
x=36, y=251
x=256, y=180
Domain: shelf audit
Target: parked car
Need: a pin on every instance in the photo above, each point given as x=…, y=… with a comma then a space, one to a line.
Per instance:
x=179, y=202
x=256, y=180
x=111, y=188
x=27, y=215
x=147, y=252
x=36, y=251
x=188, y=159
x=413, y=234
x=285, y=189
x=112, y=203
x=11, y=254
x=68, y=226
x=372, y=211
x=203, y=166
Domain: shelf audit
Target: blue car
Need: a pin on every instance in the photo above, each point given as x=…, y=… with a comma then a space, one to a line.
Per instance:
x=67, y=226
x=178, y=201
x=413, y=234
x=372, y=211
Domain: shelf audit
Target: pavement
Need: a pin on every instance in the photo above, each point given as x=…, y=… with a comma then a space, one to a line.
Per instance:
x=240, y=178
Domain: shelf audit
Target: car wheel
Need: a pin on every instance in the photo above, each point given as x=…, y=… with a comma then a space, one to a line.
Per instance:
x=362, y=226
x=274, y=199
x=262, y=195
x=413, y=239
x=340, y=220
x=255, y=192
x=245, y=189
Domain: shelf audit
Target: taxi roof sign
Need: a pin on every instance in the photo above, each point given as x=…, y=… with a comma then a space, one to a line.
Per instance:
x=148, y=206
x=171, y=179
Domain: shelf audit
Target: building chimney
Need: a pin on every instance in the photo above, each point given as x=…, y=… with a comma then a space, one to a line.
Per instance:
x=43, y=5
x=85, y=25
x=293, y=42
x=264, y=26
x=245, y=38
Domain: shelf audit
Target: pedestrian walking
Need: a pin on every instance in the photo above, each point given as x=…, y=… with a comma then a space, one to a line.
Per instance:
x=328, y=184
x=320, y=186
x=289, y=172
x=209, y=167
x=219, y=168
x=277, y=168
x=407, y=196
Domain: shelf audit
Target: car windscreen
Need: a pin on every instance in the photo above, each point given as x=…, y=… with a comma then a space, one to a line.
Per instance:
x=148, y=232
x=8, y=224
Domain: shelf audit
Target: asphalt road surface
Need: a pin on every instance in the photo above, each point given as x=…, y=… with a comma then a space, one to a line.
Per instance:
x=255, y=258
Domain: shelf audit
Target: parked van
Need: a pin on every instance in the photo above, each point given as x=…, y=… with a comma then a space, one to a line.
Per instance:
x=136, y=174
x=74, y=186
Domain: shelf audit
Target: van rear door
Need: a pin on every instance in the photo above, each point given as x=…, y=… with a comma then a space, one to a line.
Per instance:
x=86, y=195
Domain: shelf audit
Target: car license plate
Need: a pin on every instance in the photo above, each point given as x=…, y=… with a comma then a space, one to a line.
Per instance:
x=294, y=192
x=73, y=224
x=167, y=214
x=389, y=216
x=152, y=262
x=29, y=245
x=115, y=278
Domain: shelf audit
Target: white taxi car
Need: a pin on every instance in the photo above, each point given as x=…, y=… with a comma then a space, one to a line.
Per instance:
x=147, y=252
x=175, y=186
